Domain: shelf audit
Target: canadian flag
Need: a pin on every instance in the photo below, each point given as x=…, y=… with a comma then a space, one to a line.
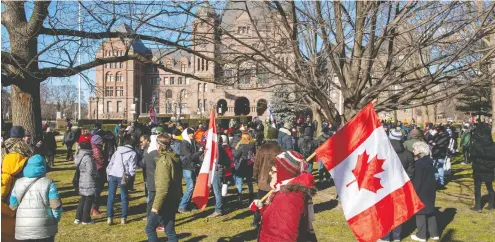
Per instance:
x=203, y=182
x=375, y=191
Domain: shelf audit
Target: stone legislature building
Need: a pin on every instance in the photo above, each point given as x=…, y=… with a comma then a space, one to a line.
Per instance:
x=126, y=90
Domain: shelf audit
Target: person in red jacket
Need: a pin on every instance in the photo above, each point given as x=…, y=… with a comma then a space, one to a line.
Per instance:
x=289, y=213
x=85, y=137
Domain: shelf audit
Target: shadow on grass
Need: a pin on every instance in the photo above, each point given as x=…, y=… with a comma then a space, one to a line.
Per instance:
x=328, y=205
x=448, y=236
x=244, y=236
x=180, y=236
x=195, y=216
x=443, y=220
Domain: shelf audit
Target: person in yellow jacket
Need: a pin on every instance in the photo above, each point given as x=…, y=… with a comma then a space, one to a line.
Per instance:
x=18, y=152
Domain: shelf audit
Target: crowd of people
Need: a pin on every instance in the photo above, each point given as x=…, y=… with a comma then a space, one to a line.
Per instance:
x=172, y=153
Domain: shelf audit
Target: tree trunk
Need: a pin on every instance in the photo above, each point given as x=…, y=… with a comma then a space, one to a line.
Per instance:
x=493, y=105
x=317, y=117
x=26, y=109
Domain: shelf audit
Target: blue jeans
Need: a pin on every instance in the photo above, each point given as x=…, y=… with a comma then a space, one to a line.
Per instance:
x=323, y=172
x=395, y=233
x=154, y=220
x=238, y=182
x=310, y=168
x=217, y=190
x=438, y=163
x=113, y=182
x=190, y=177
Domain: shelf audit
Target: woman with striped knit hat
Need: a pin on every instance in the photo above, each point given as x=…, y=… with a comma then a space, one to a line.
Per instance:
x=289, y=213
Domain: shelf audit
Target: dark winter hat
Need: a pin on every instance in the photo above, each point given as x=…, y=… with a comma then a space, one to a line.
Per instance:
x=17, y=132
x=177, y=132
x=272, y=133
x=308, y=131
x=190, y=131
x=395, y=134
x=160, y=130
x=98, y=126
x=289, y=165
x=85, y=146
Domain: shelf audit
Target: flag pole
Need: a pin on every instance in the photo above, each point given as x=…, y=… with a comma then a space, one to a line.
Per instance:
x=270, y=192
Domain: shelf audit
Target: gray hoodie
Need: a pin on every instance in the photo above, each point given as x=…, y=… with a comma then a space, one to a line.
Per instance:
x=124, y=158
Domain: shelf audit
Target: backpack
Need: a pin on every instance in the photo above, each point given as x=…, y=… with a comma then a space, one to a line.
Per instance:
x=306, y=147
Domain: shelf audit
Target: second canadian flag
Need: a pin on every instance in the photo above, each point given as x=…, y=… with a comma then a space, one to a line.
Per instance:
x=375, y=191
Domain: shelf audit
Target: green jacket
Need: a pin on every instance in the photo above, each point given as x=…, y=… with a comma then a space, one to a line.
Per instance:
x=168, y=181
x=466, y=139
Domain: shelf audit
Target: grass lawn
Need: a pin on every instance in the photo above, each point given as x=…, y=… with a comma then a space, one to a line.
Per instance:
x=456, y=221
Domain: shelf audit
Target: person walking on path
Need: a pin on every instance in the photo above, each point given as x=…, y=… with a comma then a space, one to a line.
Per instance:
x=122, y=166
x=190, y=152
x=264, y=161
x=88, y=187
x=37, y=201
x=483, y=158
x=50, y=146
x=168, y=185
x=69, y=140
x=424, y=183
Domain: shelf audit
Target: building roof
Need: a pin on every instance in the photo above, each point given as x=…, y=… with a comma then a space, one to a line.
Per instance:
x=136, y=44
x=173, y=54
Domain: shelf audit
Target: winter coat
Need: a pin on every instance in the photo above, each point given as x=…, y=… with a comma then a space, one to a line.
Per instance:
x=168, y=183
x=225, y=160
x=12, y=165
x=39, y=209
x=306, y=142
x=483, y=169
x=189, y=153
x=414, y=136
x=69, y=138
x=285, y=139
x=466, y=139
x=440, y=145
x=286, y=217
x=109, y=145
x=406, y=157
x=124, y=159
x=240, y=155
x=323, y=137
x=233, y=142
x=98, y=156
x=425, y=184
x=87, y=172
x=149, y=167
x=265, y=159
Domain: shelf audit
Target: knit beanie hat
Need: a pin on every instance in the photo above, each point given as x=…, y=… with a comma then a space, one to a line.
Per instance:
x=395, y=134
x=289, y=165
x=287, y=125
x=272, y=133
x=35, y=167
x=190, y=131
x=96, y=140
x=160, y=130
x=17, y=132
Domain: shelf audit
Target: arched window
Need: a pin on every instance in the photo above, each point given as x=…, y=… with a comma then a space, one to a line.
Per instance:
x=118, y=77
x=108, y=77
x=168, y=94
x=205, y=88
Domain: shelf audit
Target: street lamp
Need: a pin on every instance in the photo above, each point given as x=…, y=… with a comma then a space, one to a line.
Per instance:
x=97, y=107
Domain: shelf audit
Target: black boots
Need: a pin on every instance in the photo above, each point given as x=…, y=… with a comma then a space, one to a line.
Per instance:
x=477, y=204
x=491, y=202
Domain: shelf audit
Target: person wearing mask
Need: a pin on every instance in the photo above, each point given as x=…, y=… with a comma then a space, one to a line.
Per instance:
x=223, y=163
x=168, y=184
x=466, y=143
x=289, y=213
x=440, y=144
x=17, y=152
x=323, y=174
x=101, y=163
x=414, y=136
x=307, y=145
x=122, y=166
x=407, y=159
x=87, y=166
x=37, y=203
x=285, y=137
x=190, y=152
x=68, y=141
x=425, y=185
x=244, y=155
x=264, y=161
x=483, y=158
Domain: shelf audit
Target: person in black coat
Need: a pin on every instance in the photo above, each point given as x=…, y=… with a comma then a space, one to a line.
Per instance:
x=483, y=165
x=50, y=146
x=425, y=184
x=439, y=148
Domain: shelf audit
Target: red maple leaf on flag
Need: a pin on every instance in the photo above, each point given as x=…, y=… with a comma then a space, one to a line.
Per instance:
x=365, y=172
